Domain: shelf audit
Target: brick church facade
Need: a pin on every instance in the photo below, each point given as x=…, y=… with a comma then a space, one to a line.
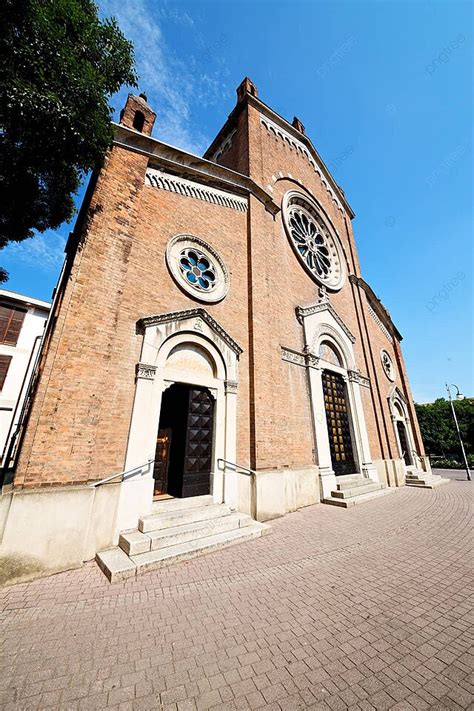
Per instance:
x=211, y=333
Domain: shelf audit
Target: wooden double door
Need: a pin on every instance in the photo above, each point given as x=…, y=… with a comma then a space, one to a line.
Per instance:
x=337, y=415
x=184, y=447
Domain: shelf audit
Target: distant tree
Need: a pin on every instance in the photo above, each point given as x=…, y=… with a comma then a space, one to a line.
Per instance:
x=438, y=430
x=59, y=64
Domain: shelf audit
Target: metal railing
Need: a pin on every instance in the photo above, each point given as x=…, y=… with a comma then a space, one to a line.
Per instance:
x=245, y=470
x=132, y=472
x=239, y=469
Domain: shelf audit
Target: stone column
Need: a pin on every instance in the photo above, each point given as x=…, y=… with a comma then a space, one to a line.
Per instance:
x=136, y=495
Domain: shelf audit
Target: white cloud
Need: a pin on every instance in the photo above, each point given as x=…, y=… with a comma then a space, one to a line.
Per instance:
x=43, y=251
x=174, y=80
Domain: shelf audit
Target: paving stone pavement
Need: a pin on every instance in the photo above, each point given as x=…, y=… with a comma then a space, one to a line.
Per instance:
x=362, y=608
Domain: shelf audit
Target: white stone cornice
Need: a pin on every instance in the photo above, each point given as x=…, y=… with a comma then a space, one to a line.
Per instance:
x=379, y=323
x=189, y=188
x=303, y=312
x=199, y=314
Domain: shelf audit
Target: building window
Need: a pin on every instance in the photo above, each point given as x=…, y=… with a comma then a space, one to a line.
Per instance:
x=387, y=365
x=5, y=361
x=197, y=268
x=313, y=240
x=11, y=321
x=328, y=353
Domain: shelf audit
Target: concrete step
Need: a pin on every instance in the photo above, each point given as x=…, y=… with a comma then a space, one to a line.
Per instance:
x=356, y=500
x=117, y=565
x=427, y=481
x=189, y=502
x=136, y=542
x=157, y=521
x=367, y=488
x=361, y=481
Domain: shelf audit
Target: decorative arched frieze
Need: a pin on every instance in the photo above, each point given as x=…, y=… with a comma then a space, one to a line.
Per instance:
x=301, y=149
x=189, y=188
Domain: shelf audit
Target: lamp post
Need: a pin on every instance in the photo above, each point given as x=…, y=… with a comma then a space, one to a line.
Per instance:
x=459, y=396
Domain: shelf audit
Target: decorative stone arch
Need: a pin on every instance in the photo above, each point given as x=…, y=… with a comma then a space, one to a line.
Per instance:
x=399, y=413
x=326, y=332
x=321, y=323
x=187, y=347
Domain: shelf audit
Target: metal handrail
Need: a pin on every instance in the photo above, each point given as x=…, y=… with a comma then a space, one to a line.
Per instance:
x=122, y=475
x=245, y=470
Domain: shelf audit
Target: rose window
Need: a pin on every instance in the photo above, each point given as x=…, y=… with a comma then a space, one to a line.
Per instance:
x=197, y=269
x=387, y=365
x=314, y=242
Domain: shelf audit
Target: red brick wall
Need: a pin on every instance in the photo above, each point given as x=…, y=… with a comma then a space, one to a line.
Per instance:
x=80, y=420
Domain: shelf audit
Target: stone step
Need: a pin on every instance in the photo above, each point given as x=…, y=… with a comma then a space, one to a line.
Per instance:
x=189, y=502
x=363, y=481
x=358, y=491
x=356, y=500
x=136, y=542
x=155, y=522
x=428, y=481
x=117, y=565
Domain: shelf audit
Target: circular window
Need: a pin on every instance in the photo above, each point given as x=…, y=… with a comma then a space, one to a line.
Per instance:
x=387, y=365
x=197, y=267
x=314, y=242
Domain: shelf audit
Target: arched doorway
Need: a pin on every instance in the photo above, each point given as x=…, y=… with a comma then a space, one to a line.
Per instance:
x=402, y=428
x=184, y=448
x=337, y=410
x=187, y=376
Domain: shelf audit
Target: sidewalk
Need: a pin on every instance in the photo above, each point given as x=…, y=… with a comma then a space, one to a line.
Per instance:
x=364, y=608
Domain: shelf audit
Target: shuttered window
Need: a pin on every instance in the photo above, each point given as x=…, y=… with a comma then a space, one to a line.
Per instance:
x=11, y=321
x=5, y=361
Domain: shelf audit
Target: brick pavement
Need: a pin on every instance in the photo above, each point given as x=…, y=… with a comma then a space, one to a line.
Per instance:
x=337, y=609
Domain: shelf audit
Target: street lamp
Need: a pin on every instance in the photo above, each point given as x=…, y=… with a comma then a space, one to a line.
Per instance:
x=459, y=396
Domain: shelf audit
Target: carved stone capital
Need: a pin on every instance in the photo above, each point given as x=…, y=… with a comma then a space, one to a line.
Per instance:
x=145, y=371
x=355, y=376
x=231, y=387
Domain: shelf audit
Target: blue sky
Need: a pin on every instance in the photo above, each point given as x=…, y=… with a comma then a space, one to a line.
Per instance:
x=384, y=90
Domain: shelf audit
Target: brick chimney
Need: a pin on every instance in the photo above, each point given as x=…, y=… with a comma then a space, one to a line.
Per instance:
x=137, y=114
x=246, y=87
x=296, y=123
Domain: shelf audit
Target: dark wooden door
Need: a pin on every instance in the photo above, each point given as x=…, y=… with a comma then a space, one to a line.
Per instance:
x=199, y=438
x=402, y=435
x=162, y=458
x=337, y=415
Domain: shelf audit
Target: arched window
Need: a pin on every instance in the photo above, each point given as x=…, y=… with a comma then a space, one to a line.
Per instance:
x=139, y=121
x=329, y=353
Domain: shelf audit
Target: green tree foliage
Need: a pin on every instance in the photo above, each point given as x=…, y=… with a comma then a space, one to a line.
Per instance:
x=438, y=429
x=59, y=65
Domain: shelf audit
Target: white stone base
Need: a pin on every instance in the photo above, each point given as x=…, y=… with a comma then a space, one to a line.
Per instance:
x=391, y=472
x=46, y=531
x=274, y=493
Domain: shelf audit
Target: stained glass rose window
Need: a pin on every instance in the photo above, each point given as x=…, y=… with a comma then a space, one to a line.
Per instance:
x=197, y=268
x=387, y=365
x=314, y=241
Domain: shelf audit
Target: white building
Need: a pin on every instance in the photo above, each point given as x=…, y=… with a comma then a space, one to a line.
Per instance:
x=22, y=321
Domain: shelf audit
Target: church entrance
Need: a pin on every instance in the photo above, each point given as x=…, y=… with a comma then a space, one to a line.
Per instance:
x=337, y=415
x=405, y=447
x=183, y=458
